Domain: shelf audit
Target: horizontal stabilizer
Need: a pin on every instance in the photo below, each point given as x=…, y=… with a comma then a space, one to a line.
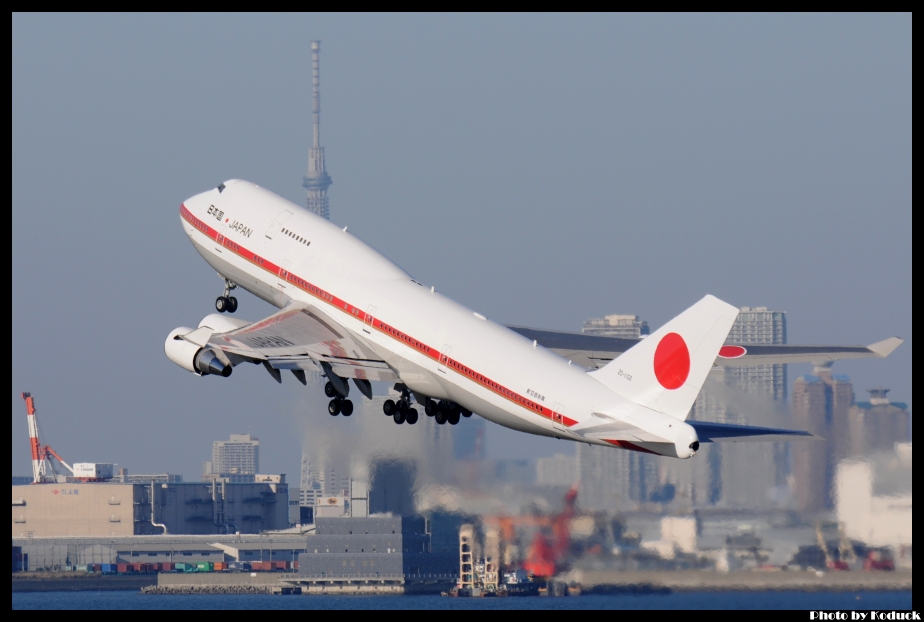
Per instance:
x=729, y=433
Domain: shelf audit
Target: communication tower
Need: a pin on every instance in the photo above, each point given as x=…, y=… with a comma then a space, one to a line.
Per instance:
x=316, y=180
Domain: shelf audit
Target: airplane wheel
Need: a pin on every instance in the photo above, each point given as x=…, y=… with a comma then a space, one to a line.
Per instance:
x=346, y=408
x=232, y=304
x=440, y=417
x=399, y=417
x=221, y=304
x=389, y=407
x=454, y=418
x=411, y=416
x=454, y=409
x=431, y=407
x=402, y=404
x=329, y=390
x=334, y=407
x=466, y=413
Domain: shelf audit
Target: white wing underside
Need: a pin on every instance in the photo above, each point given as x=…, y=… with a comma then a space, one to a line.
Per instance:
x=302, y=337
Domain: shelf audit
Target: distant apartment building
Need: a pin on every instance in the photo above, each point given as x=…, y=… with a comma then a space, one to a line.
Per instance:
x=820, y=404
x=875, y=425
x=613, y=479
x=557, y=471
x=620, y=326
x=616, y=479
x=742, y=475
x=235, y=460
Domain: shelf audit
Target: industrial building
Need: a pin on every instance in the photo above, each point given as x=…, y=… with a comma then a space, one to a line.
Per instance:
x=60, y=553
x=377, y=548
x=115, y=509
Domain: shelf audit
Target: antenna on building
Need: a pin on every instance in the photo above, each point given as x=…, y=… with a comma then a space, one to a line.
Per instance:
x=316, y=180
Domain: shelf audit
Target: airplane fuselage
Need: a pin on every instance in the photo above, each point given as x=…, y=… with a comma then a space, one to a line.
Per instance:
x=438, y=348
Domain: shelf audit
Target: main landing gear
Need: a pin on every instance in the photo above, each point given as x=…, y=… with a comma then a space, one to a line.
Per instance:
x=401, y=411
x=226, y=302
x=443, y=411
x=338, y=405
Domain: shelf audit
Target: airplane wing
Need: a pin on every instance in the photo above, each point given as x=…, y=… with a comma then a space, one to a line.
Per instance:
x=298, y=337
x=727, y=432
x=593, y=352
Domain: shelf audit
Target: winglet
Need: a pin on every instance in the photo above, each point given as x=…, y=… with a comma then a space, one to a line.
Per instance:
x=885, y=347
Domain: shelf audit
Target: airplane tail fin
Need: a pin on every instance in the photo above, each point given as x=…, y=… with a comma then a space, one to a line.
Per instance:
x=666, y=370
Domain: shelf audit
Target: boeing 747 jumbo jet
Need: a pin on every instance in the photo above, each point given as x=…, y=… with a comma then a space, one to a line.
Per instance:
x=348, y=311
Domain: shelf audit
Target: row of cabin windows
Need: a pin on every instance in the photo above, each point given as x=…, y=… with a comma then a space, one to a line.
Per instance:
x=517, y=398
x=296, y=237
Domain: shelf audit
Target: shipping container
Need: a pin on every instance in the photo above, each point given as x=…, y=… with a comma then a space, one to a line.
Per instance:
x=204, y=567
x=295, y=565
x=82, y=568
x=239, y=566
x=166, y=566
x=125, y=568
x=109, y=568
x=220, y=567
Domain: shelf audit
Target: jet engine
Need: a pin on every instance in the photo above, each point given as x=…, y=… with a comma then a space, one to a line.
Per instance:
x=191, y=357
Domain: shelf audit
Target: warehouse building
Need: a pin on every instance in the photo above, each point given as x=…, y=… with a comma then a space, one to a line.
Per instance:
x=120, y=510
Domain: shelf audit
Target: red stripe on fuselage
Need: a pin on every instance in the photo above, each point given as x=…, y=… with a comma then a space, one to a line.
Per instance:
x=630, y=446
x=369, y=320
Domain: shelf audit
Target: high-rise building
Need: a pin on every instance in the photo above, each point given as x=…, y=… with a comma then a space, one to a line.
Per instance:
x=558, y=470
x=820, y=404
x=743, y=475
x=876, y=425
x=759, y=325
x=316, y=180
x=620, y=326
x=234, y=460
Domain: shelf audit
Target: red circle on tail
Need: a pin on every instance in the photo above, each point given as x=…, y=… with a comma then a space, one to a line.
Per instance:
x=672, y=361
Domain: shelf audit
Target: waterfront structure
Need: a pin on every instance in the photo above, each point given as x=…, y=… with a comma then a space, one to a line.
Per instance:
x=116, y=509
x=59, y=553
x=316, y=180
x=377, y=549
x=620, y=326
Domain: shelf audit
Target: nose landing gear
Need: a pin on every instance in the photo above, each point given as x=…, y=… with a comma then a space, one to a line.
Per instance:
x=226, y=302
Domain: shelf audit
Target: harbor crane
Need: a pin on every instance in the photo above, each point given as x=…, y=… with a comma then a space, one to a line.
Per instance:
x=43, y=469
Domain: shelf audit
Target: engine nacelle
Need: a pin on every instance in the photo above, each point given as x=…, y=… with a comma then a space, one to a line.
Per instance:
x=189, y=356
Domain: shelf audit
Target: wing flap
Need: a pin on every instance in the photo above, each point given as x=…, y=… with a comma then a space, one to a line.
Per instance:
x=299, y=337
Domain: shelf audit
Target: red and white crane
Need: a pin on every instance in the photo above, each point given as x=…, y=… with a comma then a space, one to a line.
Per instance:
x=43, y=469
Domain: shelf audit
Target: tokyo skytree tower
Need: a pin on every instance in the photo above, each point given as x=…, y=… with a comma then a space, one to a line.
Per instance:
x=316, y=180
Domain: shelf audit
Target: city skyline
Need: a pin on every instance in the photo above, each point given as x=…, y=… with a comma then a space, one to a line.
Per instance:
x=521, y=256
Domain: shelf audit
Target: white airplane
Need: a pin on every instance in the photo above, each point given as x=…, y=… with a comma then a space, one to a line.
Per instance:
x=347, y=310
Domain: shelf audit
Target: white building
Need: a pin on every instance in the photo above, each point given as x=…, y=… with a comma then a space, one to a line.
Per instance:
x=874, y=498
